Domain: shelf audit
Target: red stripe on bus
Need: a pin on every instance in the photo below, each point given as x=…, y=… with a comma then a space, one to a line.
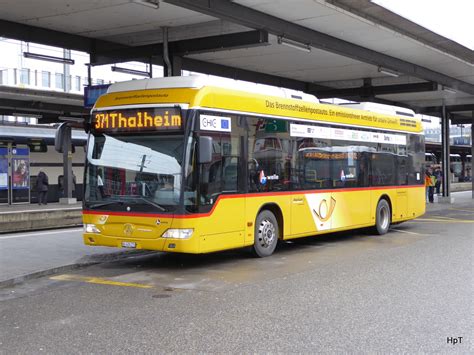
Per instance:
x=222, y=197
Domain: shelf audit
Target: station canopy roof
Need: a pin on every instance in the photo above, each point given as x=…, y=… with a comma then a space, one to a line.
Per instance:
x=352, y=49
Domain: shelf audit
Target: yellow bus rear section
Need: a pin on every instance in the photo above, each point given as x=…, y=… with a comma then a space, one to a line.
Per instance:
x=227, y=227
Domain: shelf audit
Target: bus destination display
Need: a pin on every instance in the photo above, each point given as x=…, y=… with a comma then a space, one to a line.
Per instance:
x=137, y=120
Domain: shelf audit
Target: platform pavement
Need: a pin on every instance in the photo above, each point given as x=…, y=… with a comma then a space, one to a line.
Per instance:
x=32, y=246
x=461, y=198
x=27, y=217
x=33, y=207
x=28, y=255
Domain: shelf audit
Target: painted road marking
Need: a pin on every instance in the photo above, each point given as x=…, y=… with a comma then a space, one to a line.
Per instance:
x=403, y=231
x=34, y=234
x=97, y=280
x=443, y=220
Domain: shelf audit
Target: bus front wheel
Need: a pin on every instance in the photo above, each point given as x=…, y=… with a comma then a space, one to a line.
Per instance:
x=382, y=217
x=266, y=234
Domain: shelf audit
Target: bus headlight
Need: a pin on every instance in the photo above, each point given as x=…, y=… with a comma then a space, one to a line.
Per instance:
x=178, y=233
x=90, y=228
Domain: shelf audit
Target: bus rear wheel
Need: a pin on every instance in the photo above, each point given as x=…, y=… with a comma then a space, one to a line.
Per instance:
x=266, y=234
x=382, y=217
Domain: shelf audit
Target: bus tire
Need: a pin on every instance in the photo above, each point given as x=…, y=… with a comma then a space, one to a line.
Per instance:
x=266, y=234
x=382, y=217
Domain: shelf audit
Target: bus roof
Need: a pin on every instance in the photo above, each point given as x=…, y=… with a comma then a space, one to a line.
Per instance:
x=380, y=108
x=197, y=92
x=198, y=82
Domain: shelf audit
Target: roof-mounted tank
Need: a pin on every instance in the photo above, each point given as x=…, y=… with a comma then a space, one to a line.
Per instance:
x=380, y=108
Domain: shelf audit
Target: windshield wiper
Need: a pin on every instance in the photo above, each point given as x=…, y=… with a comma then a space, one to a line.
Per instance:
x=103, y=204
x=134, y=200
x=161, y=208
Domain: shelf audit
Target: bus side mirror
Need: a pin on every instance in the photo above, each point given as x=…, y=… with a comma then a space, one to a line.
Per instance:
x=205, y=150
x=60, y=136
x=87, y=125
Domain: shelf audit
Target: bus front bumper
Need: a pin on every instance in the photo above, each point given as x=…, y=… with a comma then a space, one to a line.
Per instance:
x=160, y=244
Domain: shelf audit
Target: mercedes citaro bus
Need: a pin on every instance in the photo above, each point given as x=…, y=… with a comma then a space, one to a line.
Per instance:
x=177, y=165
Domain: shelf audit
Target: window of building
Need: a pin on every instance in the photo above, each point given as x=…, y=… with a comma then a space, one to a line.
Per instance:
x=60, y=81
x=78, y=83
x=25, y=76
x=34, y=79
x=3, y=77
x=46, y=79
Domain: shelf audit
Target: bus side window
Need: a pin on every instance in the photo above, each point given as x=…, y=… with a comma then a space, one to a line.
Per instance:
x=230, y=173
x=383, y=168
x=269, y=155
x=211, y=173
x=402, y=170
x=222, y=174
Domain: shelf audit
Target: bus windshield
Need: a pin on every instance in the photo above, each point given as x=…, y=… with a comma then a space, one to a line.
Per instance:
x=136, y=173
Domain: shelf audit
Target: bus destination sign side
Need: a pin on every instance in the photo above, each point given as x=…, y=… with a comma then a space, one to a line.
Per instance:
x=137, y=120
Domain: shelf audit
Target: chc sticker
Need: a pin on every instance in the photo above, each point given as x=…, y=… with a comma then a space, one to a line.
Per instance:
x=214, y=123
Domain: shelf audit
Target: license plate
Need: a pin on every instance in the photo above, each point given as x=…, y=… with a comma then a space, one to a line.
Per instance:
x=129, y=245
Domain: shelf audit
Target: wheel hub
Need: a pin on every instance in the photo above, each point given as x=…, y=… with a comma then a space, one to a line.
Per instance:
x=266, y=233
x=384, y=217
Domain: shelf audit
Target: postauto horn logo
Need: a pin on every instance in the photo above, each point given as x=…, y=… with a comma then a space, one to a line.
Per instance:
x=324, y=213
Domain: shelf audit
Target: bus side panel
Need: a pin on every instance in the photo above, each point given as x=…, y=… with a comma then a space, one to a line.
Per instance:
x=406, y=203
x=400, y=205
x=352, y=209
x=304, y=211
x=416, y=202
x=224, y=228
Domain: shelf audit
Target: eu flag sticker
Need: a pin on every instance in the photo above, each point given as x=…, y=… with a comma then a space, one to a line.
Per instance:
x=225, y=124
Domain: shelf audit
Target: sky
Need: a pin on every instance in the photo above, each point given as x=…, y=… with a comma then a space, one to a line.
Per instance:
x=449, y=18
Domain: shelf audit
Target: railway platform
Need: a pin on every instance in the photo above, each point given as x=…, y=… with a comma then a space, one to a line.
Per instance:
x=28, y=217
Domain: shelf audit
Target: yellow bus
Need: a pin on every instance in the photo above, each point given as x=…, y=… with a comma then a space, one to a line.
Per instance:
x=176, y=165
